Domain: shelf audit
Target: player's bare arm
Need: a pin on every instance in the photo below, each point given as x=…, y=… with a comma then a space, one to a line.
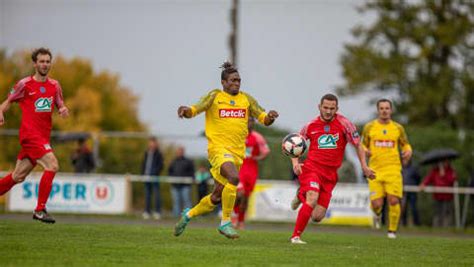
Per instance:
x=63, y=112
x=296, y=166
x=406, y=156
x=271, y=117
x=3, y=107
x=185, y=112
x=369, y=173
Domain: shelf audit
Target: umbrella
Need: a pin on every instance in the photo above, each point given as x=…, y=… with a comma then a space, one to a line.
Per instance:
x=437, y=155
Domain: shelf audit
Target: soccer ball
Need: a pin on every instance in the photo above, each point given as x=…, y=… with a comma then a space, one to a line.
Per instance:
x=293, y=145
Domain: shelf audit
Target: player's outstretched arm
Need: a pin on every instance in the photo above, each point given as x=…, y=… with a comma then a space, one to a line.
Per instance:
x=4, y=107
x=185, y=112
x=272, y=115
x=369, y=173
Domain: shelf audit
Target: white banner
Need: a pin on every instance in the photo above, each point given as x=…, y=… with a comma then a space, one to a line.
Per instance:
x=349, y=203
x=73, y=194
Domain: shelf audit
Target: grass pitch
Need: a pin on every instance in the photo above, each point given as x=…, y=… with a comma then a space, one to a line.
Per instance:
x=34, y=244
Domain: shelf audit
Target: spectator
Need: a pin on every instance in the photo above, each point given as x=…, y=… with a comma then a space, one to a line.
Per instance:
x=441, y=175
x=411, y=176
x=202, y=177
x=82, y=158
x=152, y=165
x=181, y=192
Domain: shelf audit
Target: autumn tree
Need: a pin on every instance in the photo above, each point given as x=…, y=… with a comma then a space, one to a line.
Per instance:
x=96, y=100
x=421, y=50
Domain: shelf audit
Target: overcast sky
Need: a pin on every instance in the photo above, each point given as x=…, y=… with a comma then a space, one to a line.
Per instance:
x=168, y=52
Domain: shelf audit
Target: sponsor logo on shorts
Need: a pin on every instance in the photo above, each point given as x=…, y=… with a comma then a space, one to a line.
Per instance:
x=314, y=185
x=373, y=193
x=43, y=104
x=384, y=143
x=12, y=91
x=328, y=141
x=228, y=156
x=233, y=113
x=47, y=146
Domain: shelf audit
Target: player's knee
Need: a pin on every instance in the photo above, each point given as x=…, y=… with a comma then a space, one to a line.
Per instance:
x=54, y=167
x=312, y=198
x=233, y=179
x=318, y=217
x=215, y=198
x=393, y=201
x=18, y=177
x=376, y=204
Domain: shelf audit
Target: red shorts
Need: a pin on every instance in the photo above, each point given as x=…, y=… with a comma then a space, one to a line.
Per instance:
x=33, y=150
x=247, y=183
x=319, y=179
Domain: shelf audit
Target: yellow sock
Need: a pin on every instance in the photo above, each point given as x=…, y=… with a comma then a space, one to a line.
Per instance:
x=204, y=206
x=394, y=217
x=377, y=211
x=228, y=200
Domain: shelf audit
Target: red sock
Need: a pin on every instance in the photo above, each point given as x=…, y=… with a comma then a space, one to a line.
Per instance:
x=44, y=189
x=237, y=209
x=302, y=220
x=6, y=183
x=241, y=216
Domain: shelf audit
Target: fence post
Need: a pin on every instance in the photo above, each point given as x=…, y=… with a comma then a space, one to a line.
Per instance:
x=457, y=212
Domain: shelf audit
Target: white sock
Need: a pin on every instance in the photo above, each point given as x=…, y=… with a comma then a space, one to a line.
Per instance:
x=224, y=222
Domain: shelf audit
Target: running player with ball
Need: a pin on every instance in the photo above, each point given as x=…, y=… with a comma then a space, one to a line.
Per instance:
x=328, y=134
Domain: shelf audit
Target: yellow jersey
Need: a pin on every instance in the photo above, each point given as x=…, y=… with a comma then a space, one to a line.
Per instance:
x=227, y=119
x=384, y=141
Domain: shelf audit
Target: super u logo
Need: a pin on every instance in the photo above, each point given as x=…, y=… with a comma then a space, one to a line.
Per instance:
x=102, y=192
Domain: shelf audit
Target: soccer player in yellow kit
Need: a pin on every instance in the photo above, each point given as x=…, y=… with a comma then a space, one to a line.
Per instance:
x=227, y=113
x=383, y=139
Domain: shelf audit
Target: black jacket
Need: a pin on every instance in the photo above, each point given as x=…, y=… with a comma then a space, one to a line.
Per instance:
x=181, y=166
x=156, y=165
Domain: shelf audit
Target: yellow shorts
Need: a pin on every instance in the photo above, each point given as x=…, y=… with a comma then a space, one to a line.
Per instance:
x=219, y=157
x=386, y=184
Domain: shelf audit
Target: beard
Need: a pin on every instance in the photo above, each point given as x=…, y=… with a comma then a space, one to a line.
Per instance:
x=43, y=72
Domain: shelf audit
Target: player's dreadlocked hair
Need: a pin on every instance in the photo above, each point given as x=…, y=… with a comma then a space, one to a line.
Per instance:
x=42, y=51
x=227, y=69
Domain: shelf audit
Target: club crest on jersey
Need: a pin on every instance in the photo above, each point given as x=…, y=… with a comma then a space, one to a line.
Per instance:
x=232, y=102
x=328, y=141
x=327, y=128
x=43, y=104
x=239, y=113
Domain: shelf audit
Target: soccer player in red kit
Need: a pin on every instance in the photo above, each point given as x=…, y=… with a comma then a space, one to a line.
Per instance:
x=256, y=149
x=328, y=134
x=37, y=96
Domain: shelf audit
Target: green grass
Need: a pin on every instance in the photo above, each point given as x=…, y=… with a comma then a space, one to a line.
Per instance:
x=34, y=244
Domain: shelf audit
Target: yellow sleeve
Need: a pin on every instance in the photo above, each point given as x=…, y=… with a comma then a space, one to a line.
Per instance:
x=365, y=136
x=255, y=109
x=205, y=102
x=403, y=139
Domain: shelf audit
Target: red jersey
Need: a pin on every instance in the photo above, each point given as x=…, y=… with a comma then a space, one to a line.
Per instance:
x=255, y=145
x=36, y=101
x=328, y=140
